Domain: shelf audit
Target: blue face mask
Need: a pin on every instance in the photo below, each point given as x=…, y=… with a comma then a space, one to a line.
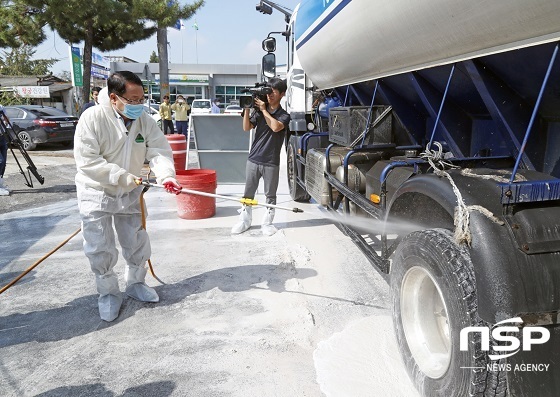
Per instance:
x=131, y=112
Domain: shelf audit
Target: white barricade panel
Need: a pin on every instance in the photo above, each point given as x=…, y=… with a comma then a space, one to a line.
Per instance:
x=222, y=145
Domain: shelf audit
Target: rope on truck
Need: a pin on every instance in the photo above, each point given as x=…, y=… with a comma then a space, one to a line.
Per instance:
x=461, y=220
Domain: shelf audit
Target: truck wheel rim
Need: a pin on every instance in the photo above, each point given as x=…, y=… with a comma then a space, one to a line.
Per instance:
x=425, y=322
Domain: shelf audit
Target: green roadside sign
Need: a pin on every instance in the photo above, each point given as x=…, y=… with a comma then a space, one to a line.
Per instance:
x=77, y=67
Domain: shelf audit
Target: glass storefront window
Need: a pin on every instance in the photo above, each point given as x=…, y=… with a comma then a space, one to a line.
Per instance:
x=226, y=93
x=185, y=90
x=188, y=91
x=229, y=93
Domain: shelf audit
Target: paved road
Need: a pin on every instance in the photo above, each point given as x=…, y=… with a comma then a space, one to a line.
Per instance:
x=300, y=313
x=55, y=163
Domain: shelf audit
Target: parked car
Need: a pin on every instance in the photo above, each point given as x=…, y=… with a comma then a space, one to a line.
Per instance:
x=233, y=109
x=35, y=124
x=201, y=106
x=152, y=103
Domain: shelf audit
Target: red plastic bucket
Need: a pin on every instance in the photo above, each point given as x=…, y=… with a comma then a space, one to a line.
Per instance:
x=191, y=206
x=178, y=144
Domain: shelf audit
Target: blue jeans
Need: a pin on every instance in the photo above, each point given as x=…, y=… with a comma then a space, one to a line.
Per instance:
x=3, y=155
x=182, y=126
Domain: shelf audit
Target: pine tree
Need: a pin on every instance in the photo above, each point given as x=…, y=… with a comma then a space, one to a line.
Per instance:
x=108, y=24
x=153, y=58
x=19, y=24
x=18, y=62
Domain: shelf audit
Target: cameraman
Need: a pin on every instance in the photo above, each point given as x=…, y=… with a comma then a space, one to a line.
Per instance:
x=269, y=121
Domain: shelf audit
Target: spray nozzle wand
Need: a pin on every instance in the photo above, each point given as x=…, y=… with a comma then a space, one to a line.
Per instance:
x=242, y=200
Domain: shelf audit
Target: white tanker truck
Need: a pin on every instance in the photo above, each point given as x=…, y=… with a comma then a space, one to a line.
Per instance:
x=444, y=113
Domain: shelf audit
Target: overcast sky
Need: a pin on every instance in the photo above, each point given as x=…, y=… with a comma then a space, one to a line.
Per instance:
x=229, y=32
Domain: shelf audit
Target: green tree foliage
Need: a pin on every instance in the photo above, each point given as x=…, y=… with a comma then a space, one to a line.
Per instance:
x=165, y=13
x=20, y=24
x=103, y=24
x=153, y=58
x=109, y=24
x=8, y=98
x=18, y=62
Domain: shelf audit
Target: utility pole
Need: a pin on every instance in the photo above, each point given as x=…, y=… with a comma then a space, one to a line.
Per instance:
x=163, y=62
x=87, y=63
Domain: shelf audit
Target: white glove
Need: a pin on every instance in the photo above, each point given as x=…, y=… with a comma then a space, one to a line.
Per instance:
x=129, y=181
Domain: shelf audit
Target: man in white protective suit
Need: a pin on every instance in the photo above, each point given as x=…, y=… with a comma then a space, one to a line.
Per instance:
x=112, y=142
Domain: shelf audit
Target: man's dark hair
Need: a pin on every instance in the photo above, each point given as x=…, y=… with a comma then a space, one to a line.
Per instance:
x=96, y=89
x=117, y=82
x=277, y=84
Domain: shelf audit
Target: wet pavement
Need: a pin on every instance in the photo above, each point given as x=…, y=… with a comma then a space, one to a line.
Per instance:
x=55, y=164
x=300, y=313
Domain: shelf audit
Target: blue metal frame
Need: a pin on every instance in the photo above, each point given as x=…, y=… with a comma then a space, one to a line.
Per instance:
x=487, y=108
x=533, y=191
x=368, y=122
x=526, y=138
x=447, y=122
x=498, y=99
x=436, y=123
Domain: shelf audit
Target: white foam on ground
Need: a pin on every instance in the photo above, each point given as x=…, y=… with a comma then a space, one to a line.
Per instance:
x=362, y=361
x=60, y=208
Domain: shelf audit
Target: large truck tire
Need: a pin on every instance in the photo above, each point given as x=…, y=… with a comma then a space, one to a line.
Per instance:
x=434, y=298
x=296, y=191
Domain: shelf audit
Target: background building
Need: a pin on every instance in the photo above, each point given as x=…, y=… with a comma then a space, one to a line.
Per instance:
x=59, y=91
x=195, y=81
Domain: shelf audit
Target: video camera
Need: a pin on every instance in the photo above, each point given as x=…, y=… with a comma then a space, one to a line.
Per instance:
x=260, y=90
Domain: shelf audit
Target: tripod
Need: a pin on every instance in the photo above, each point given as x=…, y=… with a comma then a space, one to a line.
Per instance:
x=7, y=131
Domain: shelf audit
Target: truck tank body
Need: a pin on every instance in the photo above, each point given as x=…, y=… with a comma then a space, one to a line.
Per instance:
x=383, y=38
x=481, y=79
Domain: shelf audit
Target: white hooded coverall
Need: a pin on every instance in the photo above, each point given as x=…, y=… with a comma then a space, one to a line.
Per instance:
x=106, y=153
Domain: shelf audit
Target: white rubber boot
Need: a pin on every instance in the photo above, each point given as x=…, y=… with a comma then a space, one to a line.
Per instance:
x=136, y=288
x=268, y=229
x=4, y=191
x=110, y=298
x=109, y=306
x=245, y=219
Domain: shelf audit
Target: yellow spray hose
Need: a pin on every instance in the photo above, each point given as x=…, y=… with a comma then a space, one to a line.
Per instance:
x=33, y=266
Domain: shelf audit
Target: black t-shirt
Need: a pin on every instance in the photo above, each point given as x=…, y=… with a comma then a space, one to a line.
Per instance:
x=267, y=144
